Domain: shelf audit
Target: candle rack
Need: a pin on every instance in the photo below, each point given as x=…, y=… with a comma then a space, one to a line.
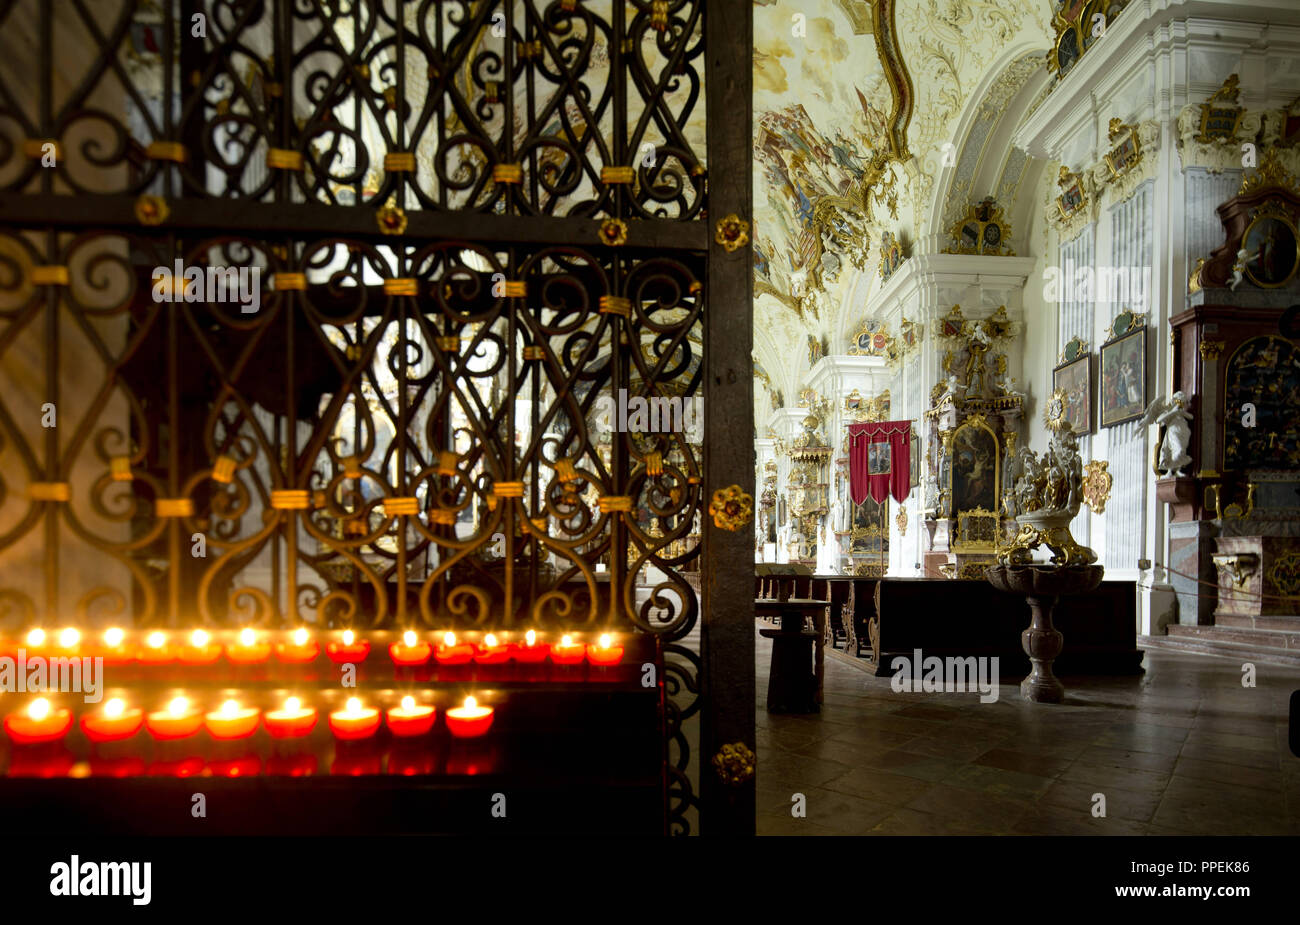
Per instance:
x=561, y=738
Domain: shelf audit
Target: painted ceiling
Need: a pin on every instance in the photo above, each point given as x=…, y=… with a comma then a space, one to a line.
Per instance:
x=836, y=164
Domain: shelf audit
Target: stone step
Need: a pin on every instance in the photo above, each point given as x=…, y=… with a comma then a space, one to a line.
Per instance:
x=1259, y=623
x=1237, y=652
x=1271, y=639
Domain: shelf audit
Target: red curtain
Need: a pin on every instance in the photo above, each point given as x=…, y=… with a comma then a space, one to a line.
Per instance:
x=897, y=480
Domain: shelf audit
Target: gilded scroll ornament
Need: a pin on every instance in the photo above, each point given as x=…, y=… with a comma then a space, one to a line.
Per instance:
x=613, y=231
x=1096, y=485
x=151, y=210
x=391, y=219
x=731, y=508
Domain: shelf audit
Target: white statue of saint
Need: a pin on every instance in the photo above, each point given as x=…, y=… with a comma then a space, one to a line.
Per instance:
x=1172, y=415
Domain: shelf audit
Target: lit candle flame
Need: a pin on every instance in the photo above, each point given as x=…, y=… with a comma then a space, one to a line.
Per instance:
x=113, y=637
x=179, y=706
x=471, y=703
x=69, y=638
x=408, y=704
x=530, y=637
x=36, y=637
x=449, y=639
x=199, y=639
x=409, y=638
x=354, y=705
x=113, y=709
x=39, y=709
x=156, y=640
x=230, y=708
x=490, y=640
x=566, y=641
x=605, y=640
x=348, y=637
x=292, y=705
x=247, y=638
x=300, y=636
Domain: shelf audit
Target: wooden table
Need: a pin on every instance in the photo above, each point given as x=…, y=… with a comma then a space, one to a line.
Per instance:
x=791, y=687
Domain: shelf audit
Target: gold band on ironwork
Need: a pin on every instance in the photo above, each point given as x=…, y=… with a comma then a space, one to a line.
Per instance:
x=399, y=161
x=48, y=491
x=440, y=516
x=353, y=352
x=449, y=344
x=119, y=469
x=492, y=91
x=537, y=524
x=357, y=527
x=534, y=353
x=351, y=467
x=404, y=285
x=507, y=173
x=291, y=499
x=447, y=462
x=273, y=89
x=318, y=500
x=50, y=275
x=564, y=471
x=611, y=503
x=659, y=15
x=172, y=151
x=526, y=50
x=654, y=464
x=628, y=46
x=568, y=5
x=283, y=159
x=515, y=288
x=283, y=282
x=35, y=148
x=223, y=469
x=693, y=480
x=492, y=502
x=612, y=175
x=615, y=305
x=406, y=504
x=174, y=507
x=508, y=489
x=695, y=286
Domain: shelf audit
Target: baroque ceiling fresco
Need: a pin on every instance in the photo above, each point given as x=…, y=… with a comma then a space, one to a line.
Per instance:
x=853, y=102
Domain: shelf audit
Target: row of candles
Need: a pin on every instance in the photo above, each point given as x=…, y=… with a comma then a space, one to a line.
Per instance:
x=42, y=722
x=251, y=647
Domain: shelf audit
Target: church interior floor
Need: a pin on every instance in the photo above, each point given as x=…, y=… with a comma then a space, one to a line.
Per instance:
x=1181, y=749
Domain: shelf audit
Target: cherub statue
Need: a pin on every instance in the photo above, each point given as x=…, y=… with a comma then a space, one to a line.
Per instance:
x=1238, y=269
x=979, y=344
x=1170, y=413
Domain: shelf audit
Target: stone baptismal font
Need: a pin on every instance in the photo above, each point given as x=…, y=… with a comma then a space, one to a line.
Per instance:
x=1045, y=498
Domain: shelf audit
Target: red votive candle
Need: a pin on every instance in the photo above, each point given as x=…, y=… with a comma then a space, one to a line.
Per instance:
x=39, y=723
x=348, y=649
x=113, y=648
x=200, y=650
x=299, y=649
x=568, y=652
x=469, y=721
x=449, y=653
x=156, y=650
x=491, y=652
x=232, y=721
x=606, y=652
x=410, y=651
x=353, y=721
x=178, y=721
x=411, y=719
x=37, y=643
x=249, y=649
x=531, y=652
x=113, y=722
x=291, y=721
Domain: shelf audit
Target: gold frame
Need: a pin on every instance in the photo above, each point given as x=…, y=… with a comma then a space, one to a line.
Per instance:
x=1295, y=261
x=1067, y=179
x=964, y=518
x=1226, y=93
x=995, y=217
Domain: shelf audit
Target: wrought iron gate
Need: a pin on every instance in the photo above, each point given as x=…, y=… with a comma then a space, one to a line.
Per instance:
x=480, y=230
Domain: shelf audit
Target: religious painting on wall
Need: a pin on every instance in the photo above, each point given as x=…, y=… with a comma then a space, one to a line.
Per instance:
x=1271, y=253
x=1074, y=377
x=974, y=471
x=1123, y=378
x=870, y=533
